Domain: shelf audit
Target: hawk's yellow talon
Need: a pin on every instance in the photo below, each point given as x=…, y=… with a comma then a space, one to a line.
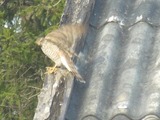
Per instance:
x=50, y=70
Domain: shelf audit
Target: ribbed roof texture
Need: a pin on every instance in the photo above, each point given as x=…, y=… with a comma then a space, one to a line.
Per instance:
x=120, y=63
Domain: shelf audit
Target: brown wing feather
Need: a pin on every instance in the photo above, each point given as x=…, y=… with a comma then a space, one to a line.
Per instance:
x=66, y=36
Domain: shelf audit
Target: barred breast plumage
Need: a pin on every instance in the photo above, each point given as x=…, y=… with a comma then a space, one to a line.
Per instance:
x=51, y=51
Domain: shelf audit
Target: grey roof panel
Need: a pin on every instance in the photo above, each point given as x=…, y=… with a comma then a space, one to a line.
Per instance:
x=120, y=63
x=126, y=12
x=147, y=11
x=111, y=10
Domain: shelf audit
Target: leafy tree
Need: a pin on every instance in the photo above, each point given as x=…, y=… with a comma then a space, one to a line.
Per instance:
x=21, y=62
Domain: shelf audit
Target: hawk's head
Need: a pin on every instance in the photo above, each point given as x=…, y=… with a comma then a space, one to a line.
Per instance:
x=39, y=41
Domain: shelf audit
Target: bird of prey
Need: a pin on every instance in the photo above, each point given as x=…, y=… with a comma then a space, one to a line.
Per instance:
x=59, y=46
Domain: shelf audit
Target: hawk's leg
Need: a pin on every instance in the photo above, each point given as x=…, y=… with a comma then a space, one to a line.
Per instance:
x=51, y=69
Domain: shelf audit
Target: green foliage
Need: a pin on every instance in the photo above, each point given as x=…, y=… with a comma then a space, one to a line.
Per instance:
x=22, y=63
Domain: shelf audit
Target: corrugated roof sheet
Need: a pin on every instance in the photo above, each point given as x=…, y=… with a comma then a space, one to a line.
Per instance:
x=120, y=63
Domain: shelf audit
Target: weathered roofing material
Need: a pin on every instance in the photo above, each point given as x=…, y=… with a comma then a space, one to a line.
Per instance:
x=120, y=63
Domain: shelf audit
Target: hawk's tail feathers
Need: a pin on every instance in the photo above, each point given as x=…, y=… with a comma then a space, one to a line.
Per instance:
x=78, y=77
